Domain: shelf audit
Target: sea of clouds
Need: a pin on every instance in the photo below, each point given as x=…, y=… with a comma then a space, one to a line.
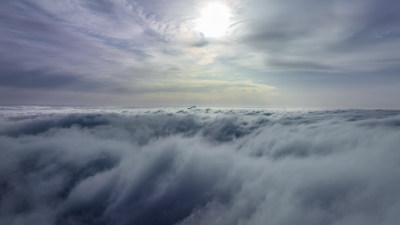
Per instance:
x=156, y=166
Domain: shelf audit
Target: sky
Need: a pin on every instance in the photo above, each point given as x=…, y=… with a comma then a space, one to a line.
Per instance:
x=304, y=53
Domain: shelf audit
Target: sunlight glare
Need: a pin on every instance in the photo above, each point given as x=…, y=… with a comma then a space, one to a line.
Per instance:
x=214, y=20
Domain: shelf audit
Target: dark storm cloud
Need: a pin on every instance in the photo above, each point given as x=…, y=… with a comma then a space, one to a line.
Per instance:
x=204, y=166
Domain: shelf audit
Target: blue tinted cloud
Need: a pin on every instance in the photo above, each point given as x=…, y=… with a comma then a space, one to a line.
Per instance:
x=205, y=166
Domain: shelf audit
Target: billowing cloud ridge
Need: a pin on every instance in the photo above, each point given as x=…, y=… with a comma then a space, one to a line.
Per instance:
x=198, y=166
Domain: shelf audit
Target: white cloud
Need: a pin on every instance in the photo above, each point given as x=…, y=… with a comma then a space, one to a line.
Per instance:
x=198, y=166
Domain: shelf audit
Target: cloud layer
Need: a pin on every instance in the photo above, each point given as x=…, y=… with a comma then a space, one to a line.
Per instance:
x=137, y=52
x=198, y=166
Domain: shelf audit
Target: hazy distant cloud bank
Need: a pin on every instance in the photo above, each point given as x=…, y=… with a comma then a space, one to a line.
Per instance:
x=198, y=166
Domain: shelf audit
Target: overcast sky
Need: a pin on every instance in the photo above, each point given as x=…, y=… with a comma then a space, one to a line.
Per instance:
x=332, y=53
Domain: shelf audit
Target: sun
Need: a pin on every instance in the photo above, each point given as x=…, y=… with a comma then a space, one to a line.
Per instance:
x=214, y=20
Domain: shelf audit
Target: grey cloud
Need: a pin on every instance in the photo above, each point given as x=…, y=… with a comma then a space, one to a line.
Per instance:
x=126, y=47
x=321, y=32
x=298, y=65
x=201, y=44
x=44, y=47
x=13, y=77
x=201, y=41
x=204, y=166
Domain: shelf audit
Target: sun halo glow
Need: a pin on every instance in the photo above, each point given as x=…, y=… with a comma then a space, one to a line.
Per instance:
x=214, y=20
